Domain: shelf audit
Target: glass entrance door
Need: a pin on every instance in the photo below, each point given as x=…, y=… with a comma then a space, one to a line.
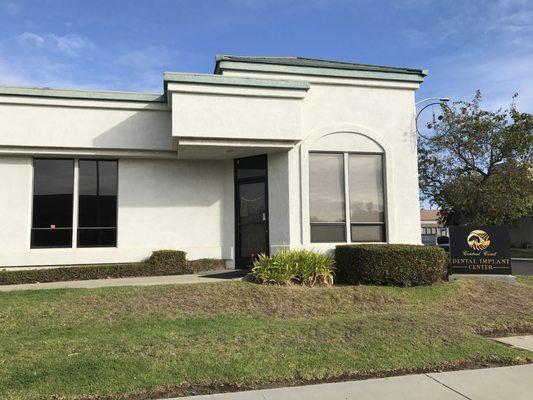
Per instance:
x=251, y=210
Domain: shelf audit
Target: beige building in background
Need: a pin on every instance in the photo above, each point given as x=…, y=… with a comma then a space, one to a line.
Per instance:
x=431, y=228
x=264, y=154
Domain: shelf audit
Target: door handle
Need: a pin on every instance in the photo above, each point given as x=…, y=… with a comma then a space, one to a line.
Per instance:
x=264, y=217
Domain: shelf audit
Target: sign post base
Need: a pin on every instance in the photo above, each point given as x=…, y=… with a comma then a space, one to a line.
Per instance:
x=499, y=277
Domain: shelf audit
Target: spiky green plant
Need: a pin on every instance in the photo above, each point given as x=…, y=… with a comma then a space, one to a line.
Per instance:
x=305, y=267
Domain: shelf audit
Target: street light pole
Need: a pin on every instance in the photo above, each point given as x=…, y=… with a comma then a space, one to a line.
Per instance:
x=440, y=100
x=436, y=100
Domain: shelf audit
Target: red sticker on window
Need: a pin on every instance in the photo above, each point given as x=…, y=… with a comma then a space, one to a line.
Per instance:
x=53, y=226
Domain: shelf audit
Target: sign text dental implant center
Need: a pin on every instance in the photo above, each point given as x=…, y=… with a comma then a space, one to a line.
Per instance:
x=480, y=250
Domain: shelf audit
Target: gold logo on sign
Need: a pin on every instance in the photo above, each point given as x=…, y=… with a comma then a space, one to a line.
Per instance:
x=478, y=239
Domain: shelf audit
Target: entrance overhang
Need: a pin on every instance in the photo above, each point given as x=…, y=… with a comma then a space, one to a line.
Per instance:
x=212, y=148
x=216, y=116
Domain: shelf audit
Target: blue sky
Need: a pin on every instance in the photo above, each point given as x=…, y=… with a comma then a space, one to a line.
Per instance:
x=127, y=45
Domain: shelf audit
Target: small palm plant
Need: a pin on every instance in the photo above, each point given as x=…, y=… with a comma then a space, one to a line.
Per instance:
x=305, y=267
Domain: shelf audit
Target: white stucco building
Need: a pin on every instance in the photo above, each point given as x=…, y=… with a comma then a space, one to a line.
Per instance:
x=265, y=154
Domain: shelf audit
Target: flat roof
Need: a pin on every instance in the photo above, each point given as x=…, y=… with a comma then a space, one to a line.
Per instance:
x=210, y=79
x=316, y=63
x=294, y=65
x=81, y=94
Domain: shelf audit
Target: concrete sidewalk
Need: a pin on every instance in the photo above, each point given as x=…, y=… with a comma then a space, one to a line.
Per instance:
x=480, y=384
x=522, y=342
x=204, y=277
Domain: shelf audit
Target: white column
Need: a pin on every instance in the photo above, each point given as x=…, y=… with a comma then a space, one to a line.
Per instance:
x=347, y=199
x=75, y=204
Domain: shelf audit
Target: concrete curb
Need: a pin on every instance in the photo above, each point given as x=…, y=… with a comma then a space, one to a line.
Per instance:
x=503, y=278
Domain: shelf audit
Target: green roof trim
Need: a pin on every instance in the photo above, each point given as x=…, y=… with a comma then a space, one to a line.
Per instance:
x=311, y=66
x=210, y=79
x=81, y=94
x=288, y=65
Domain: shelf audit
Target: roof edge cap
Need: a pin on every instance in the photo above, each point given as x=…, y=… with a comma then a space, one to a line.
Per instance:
x=29, y=91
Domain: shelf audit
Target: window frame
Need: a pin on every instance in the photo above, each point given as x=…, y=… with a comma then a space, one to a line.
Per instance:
x=348, y=223
x=77, y=217
x=382, y=224
x=75, y=205
x=72, y=227
x=346, y=208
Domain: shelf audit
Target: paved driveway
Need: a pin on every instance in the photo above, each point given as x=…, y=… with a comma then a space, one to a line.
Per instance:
x=522, y=267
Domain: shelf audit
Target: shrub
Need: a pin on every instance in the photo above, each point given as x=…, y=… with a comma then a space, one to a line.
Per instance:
x=205, y=264
x=390, y=264
x=297, y=266
x=162, y=262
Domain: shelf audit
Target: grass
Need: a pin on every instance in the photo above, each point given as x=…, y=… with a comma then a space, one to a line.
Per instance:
x=526, y=280
x=150, y=342
x=522, y=253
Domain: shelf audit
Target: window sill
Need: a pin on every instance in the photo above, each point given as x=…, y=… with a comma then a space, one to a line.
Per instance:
x=73, y=248
x=341, y=243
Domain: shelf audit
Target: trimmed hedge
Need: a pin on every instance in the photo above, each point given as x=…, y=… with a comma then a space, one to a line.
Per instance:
x=390, y=264
x=162, y=262
x=205, y=264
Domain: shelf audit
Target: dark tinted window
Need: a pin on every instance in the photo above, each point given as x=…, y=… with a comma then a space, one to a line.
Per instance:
x=58, y=237
x=251, y=167
x=104, y=237
x=53, y=182
x=97, y=220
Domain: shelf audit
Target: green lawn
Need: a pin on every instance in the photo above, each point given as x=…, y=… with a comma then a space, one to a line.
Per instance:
x=146, y=342
x=526, y=280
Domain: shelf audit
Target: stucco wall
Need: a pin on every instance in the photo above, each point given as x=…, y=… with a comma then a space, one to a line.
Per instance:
x=170, y=203
x=163, y=204
x=84, y=124
x=359, y=109
x=15, y=207
x=384, y=116
x=230, y=116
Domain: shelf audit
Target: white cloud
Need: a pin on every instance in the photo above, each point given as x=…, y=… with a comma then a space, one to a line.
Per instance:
x=32, y=39
x=45, y=59
x=513, y=16
x=484, y=45
x=71, y=45
x=70, y=61
x=497, y=75
x=469, y=21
